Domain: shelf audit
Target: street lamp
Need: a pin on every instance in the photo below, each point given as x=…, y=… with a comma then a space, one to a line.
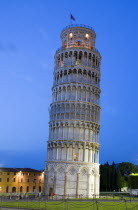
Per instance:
x=19, y=174
x=35, y=185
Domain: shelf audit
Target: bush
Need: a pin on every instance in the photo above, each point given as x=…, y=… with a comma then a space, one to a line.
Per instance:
x=133, y=181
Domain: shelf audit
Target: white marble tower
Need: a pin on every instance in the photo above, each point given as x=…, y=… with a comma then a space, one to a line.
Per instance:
x=72, y=166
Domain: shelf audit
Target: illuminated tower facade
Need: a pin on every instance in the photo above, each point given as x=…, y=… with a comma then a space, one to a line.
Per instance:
x=72, y=167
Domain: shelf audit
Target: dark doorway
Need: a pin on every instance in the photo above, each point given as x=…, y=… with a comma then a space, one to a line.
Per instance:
x=13, y=189
x=50, y=190
x=21, y=189
x=7, y=189
x=27, y=189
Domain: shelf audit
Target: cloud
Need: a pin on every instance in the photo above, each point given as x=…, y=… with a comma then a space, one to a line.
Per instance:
x=28, y=79
x=2, y=48
x=111, y=110
x=136, y=160
x=1, y=165
x=43, y=33
x=12, y=47
x=8, y=47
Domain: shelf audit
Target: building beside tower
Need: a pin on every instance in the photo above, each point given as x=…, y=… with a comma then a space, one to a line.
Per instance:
x=72, y=167
x=21, y=180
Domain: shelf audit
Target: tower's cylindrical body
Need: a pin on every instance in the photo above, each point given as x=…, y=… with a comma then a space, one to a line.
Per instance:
x=72, y=167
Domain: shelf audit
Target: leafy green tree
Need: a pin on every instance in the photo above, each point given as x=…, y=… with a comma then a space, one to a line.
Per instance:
x=114, y=177
x=127, y=168
x=133, y=181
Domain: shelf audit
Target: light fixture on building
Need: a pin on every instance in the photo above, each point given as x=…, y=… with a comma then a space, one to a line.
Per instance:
x=70, y=35
x=87, y=36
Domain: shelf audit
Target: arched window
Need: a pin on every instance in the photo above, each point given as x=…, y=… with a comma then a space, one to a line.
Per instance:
x=7, y=189
x=66, y=54
x=70, y=53
x=27, y=189
x=75, y=54
x=13, y=189
x=21, y=189
x=80, y=55
x=75, y=156
x=78, y=42
x=85, y=54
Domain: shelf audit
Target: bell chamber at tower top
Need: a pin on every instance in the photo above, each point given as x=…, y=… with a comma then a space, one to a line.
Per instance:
x=78, y=48
x=78, y=37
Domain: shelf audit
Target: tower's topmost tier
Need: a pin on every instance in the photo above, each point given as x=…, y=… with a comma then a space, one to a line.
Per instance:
x=78, y=36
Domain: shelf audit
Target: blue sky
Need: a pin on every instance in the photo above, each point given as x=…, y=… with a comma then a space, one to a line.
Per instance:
x=30, y=35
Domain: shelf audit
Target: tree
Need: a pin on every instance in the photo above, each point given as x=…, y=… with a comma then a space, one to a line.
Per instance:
x=119, y=180
x=127, y=168
x=133, y=181
x=113, y=176
x=105, y=172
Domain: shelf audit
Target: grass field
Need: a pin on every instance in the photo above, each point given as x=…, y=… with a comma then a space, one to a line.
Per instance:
x=71, y=205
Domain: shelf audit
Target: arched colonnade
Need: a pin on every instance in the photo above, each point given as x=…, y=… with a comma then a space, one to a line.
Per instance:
x=76, y=57
x=76, y=75
x=75, y=111
x=76, y=92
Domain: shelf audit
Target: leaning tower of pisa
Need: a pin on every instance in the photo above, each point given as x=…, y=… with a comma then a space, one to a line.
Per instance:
x=72, y=166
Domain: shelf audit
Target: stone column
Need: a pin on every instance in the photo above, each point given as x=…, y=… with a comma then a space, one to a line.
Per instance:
x=67, y=150
x=55, y=182
x=61, y=157
x=48, y=152
x=84, y=152
x=59, y=132
x=89, y=154
x=76, y=92
x=93, y=151
x=52, y=151
x=93, y=155
x=78, y=152
x=86, y=99
x=81, y=93
x=69, y=131
x=57, y=152
x=88, y=185
x=84, y=132
x=72, y=151
x=65, y=185
x=78, y=183
x=97, y=156
x=46, y=183
x=63, y=129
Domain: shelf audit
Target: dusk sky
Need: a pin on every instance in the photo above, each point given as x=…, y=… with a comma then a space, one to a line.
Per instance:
x=30, y=34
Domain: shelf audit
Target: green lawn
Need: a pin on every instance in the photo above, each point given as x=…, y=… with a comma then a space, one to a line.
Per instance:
x=71, y=205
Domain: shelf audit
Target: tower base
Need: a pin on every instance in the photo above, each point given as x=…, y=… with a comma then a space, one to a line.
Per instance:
x=72, y=180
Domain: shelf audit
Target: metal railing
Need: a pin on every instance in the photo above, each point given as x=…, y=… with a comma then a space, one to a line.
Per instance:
x=62, y=202
x=78, y=25
x=77, y=46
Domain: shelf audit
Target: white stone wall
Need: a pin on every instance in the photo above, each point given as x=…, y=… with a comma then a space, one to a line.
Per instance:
x=73, y=180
